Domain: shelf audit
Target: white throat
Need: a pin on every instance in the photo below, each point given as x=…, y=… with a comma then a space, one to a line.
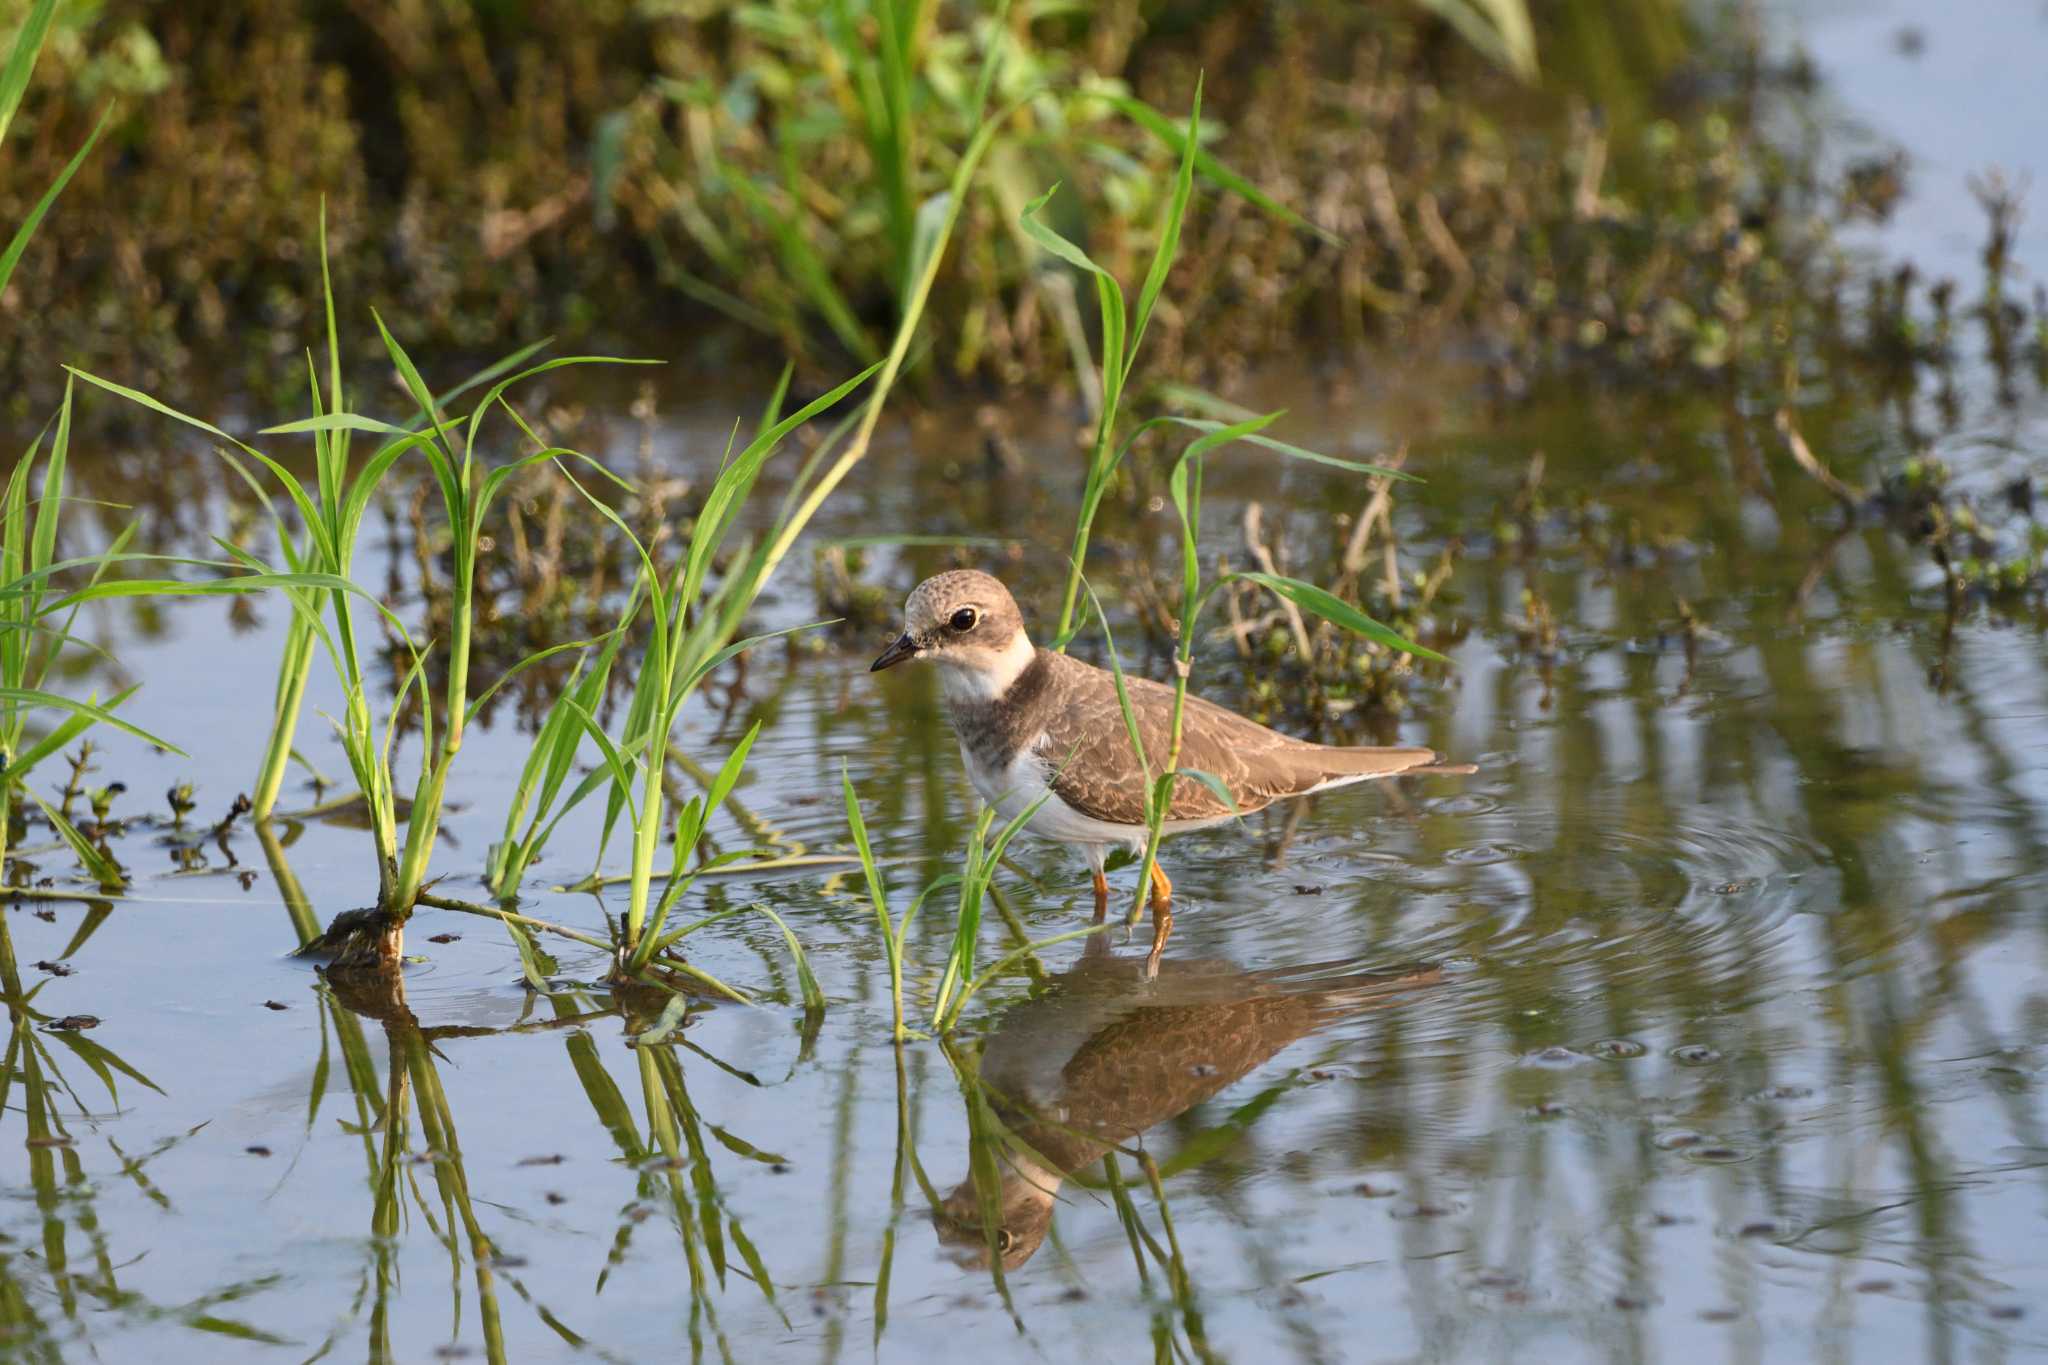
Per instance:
x=985, y=676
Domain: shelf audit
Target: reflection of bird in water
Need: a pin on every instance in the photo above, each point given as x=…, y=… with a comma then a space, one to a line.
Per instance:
x=1104, y=1054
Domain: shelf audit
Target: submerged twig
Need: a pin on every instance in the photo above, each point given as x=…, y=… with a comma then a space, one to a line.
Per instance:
x=1802, y=454
x=493, y=912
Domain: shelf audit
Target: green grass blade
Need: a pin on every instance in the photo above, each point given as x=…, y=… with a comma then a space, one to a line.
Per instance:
x=1169, y=230
x=1336, y=610
x=476, y=704
x=21, y=59
x=1169, y=132
x=1037, y=230
x=1499, y=30
x=37, y=698
x=97, y=863
x=807, y=983
x=70, y=728
x=28, y=227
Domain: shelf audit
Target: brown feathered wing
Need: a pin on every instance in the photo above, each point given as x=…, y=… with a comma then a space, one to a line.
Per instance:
x=1097, y=772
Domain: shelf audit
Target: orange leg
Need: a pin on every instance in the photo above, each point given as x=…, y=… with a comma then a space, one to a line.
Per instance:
x=1101, y=896
x=1162, y=918
x=1162, y=889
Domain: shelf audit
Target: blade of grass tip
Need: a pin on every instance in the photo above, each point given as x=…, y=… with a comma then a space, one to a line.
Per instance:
x=308, y=509
x=857, y=826
x=21, y=59
x=1214, y=784
x=909, y=916
x=22, y=234
x=66, y=731
x=495, y=396
x=529, y=960
x=102, y=868
x=814, y=997
x=1337, y=611
x=35, y=697
x=1169, y=230
x=1187, y=502
x=615, y=763
x=1171, y=133
x=477, y=702
x=1286, y=448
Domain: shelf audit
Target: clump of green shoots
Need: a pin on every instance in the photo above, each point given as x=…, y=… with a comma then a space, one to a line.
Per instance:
x=694, y=615
x=316, y=580
x=960, y=981
x=36, y=617
x=35, y=621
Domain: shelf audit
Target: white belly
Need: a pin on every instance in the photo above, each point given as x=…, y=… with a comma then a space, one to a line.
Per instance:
x=1012, y=790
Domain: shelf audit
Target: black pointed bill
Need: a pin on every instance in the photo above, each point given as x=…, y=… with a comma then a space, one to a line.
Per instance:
x=903, y=648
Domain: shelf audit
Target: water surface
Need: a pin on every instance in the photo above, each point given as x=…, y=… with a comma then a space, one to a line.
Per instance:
x=1705, y=1019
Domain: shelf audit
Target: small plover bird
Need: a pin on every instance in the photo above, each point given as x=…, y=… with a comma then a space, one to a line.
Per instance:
x=1032, y=723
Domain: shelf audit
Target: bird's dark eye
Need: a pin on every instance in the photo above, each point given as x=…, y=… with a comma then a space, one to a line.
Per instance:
x=964, y=619
x=1004, y=1241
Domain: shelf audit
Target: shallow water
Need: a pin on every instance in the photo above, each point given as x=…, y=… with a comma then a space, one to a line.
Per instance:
x=1704, y=1019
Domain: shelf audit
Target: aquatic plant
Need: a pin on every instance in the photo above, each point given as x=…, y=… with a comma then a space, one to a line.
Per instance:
x=31, y=596
x=22, y=52
x=975, y=883
x=315, y=578
x=694, y=615
x=37, y=612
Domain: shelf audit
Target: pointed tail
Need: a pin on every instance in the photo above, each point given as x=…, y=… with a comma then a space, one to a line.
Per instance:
x=1368, y=762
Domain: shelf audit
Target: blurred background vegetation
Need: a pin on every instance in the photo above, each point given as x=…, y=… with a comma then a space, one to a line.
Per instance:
x=504, y=168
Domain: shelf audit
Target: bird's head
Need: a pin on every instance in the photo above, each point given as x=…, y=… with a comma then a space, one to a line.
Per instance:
x=1026, y=1217
x=967, y=623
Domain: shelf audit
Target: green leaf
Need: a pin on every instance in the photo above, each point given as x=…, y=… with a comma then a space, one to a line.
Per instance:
x=814, y=998
x=1214, y=784
x=68, y=729
x=670, y=1019
x=1283, y=447
x=102, y=867
x=35, y=697
x=859, y=829
x=35, y=217
x=729, y=773
x=21, y=59
x=529, y=661
x=104, y=1061
x=1336, y=610
x=1169, y=230
x=615, y=763
x=1059, y=246
x=1169, y=132
x=1500, y=30
x=343, y=421
x=529, y=958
